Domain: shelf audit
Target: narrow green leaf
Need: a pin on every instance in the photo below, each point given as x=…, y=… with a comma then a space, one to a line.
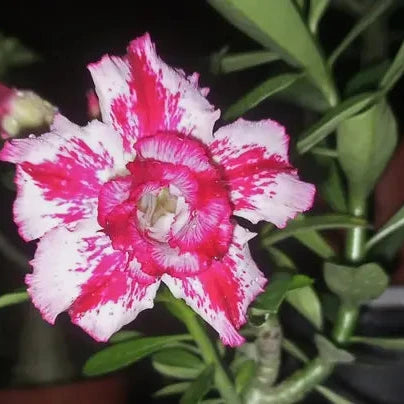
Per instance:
x=386, y=343
x=331, y=396
x=125, y=353
x=294, y=350
x=331, y=187
x=213, y=401
x=281, y=260
x=355, y=285
x=365, y=143
x=395, y=223
x=13, y=298
x=316, y=242
x=244, y=375
x=321, y=222
x=377, y=8
x=270, y=23
x=172, y=389
x=366, y=79
x=124, y=335
x=324, y=151
x=241, y=61
x=307, y=303
x=316, y=11
x=177, y=363
x=199, y=387
x=330, y=121
x=305, y=95
x=394, y=72
x=260, y=93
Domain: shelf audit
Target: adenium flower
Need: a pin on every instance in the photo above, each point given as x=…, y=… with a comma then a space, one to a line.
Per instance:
x=21, y=110
x=148, y=196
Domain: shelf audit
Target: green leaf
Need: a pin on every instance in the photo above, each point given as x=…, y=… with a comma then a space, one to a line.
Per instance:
x=244, y=375
x=199, y=387
x=223, y=63
x=316, y=242
x=124, y=335
x=307, y=303
x=13, y=298
x=260, y=93
x=355, y=285
x=14, y=54
x=394, y=72
x=395, y=223
x=303, y=94
x=294, y=350
x=332, y=188
x=316, y=11
x=377, y=8
x=271, y=299
x=386, y=343
x=125, y=353
x=365, y=143
x=278, y=25
x=321, y=222
x=213, y=401
x=177, y=363
x=366, y=79
x=334, y=117
x=331, y=396
x=329, y=353
x=281, y=283
x=172, y=389
x=281, y=260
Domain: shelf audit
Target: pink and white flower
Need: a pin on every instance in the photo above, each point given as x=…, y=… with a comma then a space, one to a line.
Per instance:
x=147, y=197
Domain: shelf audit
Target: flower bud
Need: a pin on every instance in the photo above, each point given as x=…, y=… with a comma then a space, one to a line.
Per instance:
x=21, y=110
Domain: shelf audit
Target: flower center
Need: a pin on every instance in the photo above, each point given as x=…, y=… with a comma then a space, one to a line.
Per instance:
x=156, y=213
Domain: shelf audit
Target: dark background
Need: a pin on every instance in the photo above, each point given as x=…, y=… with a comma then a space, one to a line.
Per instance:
x=67, y=36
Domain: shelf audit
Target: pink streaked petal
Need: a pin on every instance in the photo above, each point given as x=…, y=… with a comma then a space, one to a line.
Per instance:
x=171, y=148
x=59, y=174
x=65, y=260
x=109, y=303
x=113, y=193
x=141, y=95
x=254, y=161
x=232, y=141
x=221, y=294
x=281, y=198
x=208, y=230
x=90, y=278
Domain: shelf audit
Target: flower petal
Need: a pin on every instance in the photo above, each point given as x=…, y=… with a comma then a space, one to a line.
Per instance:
x=103, y=291
x=168, y=147
x=59, y=174
x=254, y=160
x=140, y=95
x=221, y=294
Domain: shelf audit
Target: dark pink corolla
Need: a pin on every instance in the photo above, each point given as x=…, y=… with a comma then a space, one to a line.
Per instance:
x=148, y=197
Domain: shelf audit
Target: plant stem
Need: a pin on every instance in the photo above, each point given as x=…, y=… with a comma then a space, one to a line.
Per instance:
x=295, y=387
x=354, y=252
x=345, y=324
x=208, y=351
